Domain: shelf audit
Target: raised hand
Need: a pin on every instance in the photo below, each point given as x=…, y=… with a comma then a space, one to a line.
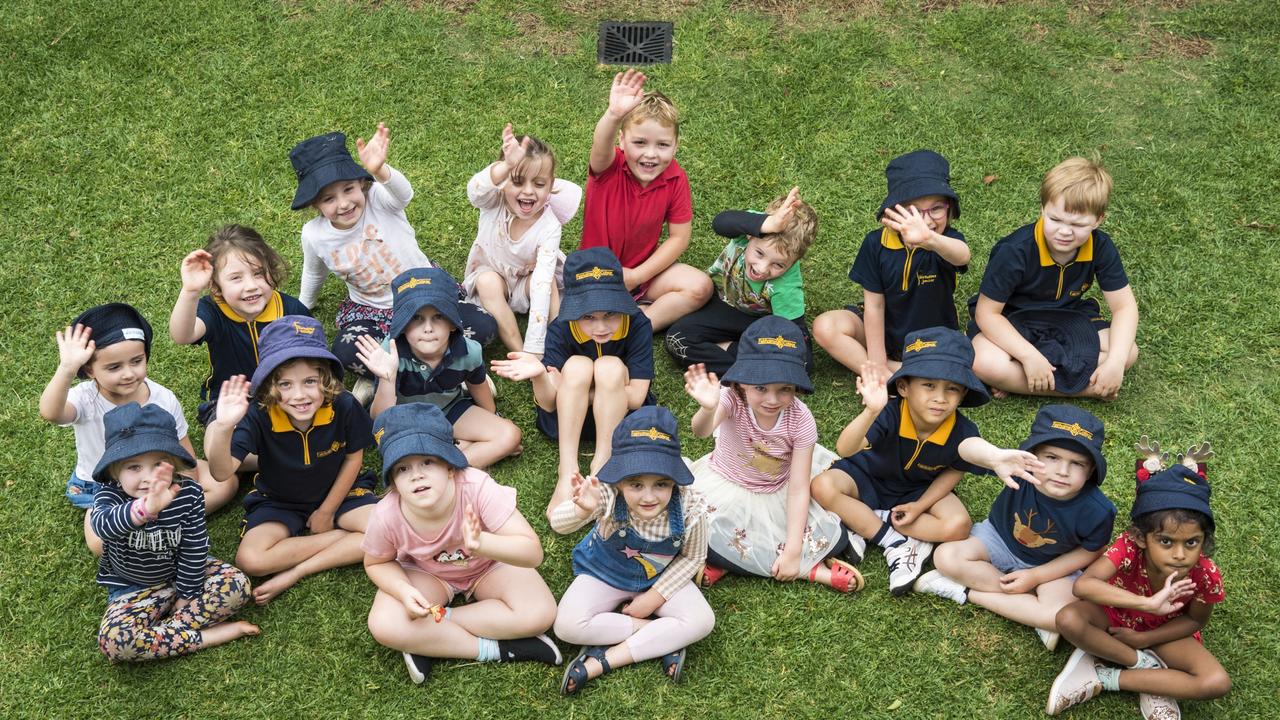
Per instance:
x=586, y=492
x=373, y=154
x=75, y=347
x=702, y=386
x=161, y=491
x=1009, y=464
x=909, y=223
x=197, y=271
x=518, y=366
x=1169, y=599
x=233, y=400
x=384, y=364
x=1149, y=450
x=872, y=386
x=513, y=151
x=471, y=531
x=1197, y=454
x=777, y=220
x=626, y=92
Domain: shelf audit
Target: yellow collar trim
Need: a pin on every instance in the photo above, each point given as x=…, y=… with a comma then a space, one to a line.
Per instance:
x=580, y=337
x=280, y=421
x=1084, y=254
x=273, y=311
x=889, y=239
x=907, y=429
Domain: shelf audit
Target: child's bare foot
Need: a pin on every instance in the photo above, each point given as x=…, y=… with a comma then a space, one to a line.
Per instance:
x=226, y=632
x=269, y=590
x=998, y=394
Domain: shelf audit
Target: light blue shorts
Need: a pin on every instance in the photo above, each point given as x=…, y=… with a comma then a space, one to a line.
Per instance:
x=998, y=552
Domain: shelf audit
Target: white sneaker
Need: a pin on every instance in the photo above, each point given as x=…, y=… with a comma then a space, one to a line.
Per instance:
x=1048, y=638
x=857, y=547
x=1077, y=682
x=935, y=583
x=906, y=560
x=1158, y=707
x=419, y=667
x=363, y=390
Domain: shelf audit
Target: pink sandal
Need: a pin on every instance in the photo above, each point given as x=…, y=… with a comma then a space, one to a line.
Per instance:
x=844, y=577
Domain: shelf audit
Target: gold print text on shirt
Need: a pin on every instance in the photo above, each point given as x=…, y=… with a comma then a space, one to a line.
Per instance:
x=367, y=264
x=761, y=459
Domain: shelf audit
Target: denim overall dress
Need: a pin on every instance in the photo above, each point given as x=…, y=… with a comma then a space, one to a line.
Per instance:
x=625, y=560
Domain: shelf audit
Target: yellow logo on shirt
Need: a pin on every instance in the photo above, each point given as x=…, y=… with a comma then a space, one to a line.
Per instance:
x=303, y=329
x=594, y=273
x=1073, y=428
x=779, y=341
x=929, y=468
x=919, y=345
x=922, y=279
x=335, y=447
x=377, y=437
x=413, y=283
x=652, y=433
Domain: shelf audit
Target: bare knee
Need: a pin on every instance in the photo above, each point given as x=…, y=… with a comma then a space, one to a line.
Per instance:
x=1215, y=685
x=490, y=285
x=252, y=562
x=1128, y=363
x=823, y=489
x=1071, y=621
x=577, y=371
x=610, y=372
x=947, y=557
x=385, y=631
x=509, y=435
x=955, y=528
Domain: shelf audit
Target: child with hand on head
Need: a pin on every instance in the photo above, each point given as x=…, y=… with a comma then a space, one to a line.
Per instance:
x=757, y=274
x=756, y=480
x=108, y=347
x=597, y=366
x=907, y=268
x=1034, y=332
x=901, y=460
x=1136, y=626
x=427, y=358
x=362, y=235
x=309, y=436
x=635, y=187
x=242, y=273
x=167, y=595
x=648, y=543
x=514, y=265
x=1022, y=561
x=444, y=528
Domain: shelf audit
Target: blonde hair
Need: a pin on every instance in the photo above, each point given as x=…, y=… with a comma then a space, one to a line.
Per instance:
x=1083, y=184
x=330, y=385
x=798, y=235
x=654, y=106
x=179, y=466
x=230, y=239
x=538, y=151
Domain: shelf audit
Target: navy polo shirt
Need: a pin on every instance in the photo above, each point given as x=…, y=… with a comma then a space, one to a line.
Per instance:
x=1022, y=274
x=633, y=343
x=894, y=457
x=1038, y=528
x=416, y=381
x=918, y=285
x=232, y=341
x=300, y=467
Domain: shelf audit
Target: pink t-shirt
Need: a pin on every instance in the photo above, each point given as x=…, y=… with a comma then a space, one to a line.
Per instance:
x=389, y=532
x=1131, y=575
x=758, y=459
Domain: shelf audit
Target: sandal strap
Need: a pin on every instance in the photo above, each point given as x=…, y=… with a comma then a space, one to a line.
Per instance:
x=598, y=652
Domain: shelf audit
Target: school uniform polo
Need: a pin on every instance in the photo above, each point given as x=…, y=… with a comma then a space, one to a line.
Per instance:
x=1037, y=528
x=918, y=285
x=232, y=341
x=626, y=218
x=896, y=465
x=1022, y=274
x=442, y=385
x=300, y=467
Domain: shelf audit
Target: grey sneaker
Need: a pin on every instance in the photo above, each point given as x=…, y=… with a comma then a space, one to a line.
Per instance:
x=1158, y=707
x=1048, y=638
x=906, y=561
x=935, y=583
x=1077, y=682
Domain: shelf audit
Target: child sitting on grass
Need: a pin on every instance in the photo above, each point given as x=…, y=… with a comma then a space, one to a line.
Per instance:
x=444, y=528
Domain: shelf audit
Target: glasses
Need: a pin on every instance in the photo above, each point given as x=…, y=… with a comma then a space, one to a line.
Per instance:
x=937, y=212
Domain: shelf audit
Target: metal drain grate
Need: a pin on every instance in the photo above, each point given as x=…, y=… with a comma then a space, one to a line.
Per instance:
x=634, y=43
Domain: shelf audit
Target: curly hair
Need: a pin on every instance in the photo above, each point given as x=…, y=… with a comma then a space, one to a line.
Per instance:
x=794, y=239
x=330, y=385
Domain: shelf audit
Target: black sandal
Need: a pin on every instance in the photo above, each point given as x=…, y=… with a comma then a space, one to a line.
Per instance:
x=673, y=664
x=576, y=671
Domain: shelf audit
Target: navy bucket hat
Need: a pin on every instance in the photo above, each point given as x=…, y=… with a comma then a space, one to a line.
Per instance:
x=942, y=354
x=1066, y=424
x=646, y=441
x=415, y=289
x=415, y=429
x=113, y=323
x=320, y=160
x=771, y=350
x=1178, y=488
x=1067, y=339
x=915, y=175
x=131, y=430
x=290, y=337
x=593, y=283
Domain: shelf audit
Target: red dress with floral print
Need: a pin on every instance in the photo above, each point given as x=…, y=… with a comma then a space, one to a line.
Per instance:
x=1131, y=575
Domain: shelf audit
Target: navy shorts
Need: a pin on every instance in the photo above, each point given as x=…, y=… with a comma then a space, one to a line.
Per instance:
x=549, y=424
x=455, y=410
x=874, y=494
x=259, y=509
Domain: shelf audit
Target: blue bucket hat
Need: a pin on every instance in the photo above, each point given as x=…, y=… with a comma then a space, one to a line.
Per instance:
x=1066, y=338
x=646, y=441
x=1078, y=429
x=290, y=337
x=320, y=160
x=1178, y=488
x=415, y=429
x=942, y=354
x=131, y=430
x=771, y=350
x=415, y=289
x=915, y=175
x=113, y=323
x=593, y=283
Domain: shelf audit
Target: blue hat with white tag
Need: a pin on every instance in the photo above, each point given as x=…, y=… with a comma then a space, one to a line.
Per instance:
x=113, y=323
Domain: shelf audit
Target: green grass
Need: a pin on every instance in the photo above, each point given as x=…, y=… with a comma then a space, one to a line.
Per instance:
x=133, y=130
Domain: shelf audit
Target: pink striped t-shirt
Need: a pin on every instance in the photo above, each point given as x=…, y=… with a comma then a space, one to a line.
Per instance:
x=758, y=459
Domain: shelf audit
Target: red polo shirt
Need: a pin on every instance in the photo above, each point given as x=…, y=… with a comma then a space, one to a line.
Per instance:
x=627, y=218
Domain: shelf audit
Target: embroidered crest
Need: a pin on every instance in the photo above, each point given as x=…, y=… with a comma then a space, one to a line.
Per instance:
x=377, y=437
x=413, y=283
x=594, y=273
x=1073, y=428
x=303, y=329
x=919, y=345
x=778, y=341
x=652, y=433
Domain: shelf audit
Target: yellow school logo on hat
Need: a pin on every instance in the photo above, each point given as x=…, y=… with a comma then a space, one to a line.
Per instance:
x=303, y=329
x=652, y=433
x=594, y=273
x=1073, y=428
x=413, y=283
x=919, y=345
x=377, y=437
x=778, y=341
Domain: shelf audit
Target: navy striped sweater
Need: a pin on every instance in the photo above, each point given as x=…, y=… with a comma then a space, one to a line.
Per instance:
x=172, y=549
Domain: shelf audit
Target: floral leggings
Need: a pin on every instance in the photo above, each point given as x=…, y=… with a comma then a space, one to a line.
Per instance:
x=139, y=626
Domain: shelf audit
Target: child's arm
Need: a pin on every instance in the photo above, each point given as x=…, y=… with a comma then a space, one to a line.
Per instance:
x=385, y=365
x=636, y=390
x=873, y=328
x=1185, y=625
x=1093, y=586
x=787, y=565
x=542, y=283
x=514, y=543
x=482, y=396
x=75, y=349
x=1107, y=378
x=997, y=328
x=704, y=387
x=666, y=255
x=391, y=579
x=626, y=92
x=185, y=327
x=875, y=395
x=1005, y=463
x=1025, y=581
x=526, y=366
x=910, y=225
x=233, y=403
x=906, y=513
x=565, y=199
x=193, y=552
x=585, y=504
x=321, y=519
x=314, y=273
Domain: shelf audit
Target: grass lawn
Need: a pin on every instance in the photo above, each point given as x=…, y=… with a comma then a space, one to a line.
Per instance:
x=135, y=129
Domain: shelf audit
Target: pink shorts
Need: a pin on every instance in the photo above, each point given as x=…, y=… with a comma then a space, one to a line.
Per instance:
x=465, y=588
